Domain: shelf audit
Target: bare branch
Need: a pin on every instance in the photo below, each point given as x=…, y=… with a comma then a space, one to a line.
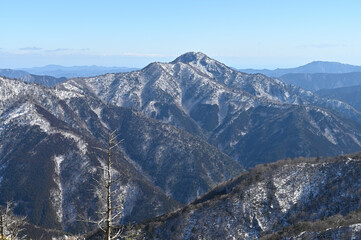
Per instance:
x=10, y=225
x=101, y=149
x=107, y=182
x=118, y=179
x=117, y=207
x=119, y=232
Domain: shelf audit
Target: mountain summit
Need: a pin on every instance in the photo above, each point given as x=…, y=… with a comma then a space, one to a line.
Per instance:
x=191, y=57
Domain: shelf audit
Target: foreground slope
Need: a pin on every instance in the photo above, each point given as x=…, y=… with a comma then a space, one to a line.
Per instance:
x=267, y=199
x=334, y=227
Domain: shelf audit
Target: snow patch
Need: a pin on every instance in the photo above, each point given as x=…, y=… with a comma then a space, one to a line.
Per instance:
x=150, y=109
x=352, y=159
x=82, y=146
x=328, y=134
x=287, y=192
x=354, y=139
x=98, y=111
x=56, y=194
x=356, y=227
x=26, y=114
x=67, y=94
x=72, y=88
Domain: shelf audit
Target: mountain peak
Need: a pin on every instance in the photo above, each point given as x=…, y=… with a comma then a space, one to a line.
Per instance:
x=190, y=57
x=325, y=63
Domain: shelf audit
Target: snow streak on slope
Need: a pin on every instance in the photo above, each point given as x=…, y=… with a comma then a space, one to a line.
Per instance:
x=25, y=114
x=56, y=194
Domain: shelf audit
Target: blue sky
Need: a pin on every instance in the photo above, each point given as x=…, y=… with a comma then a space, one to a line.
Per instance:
x=133, y=33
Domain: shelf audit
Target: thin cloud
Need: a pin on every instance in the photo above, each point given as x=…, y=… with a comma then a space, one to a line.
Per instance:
x=67, y=50
x=320, y=45
x=59, y=50
x=143, y=55
x=30, y=49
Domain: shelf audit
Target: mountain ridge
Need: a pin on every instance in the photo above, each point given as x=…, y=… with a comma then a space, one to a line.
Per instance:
x=75, y=71
x=349, y=95
x=45, y=80
x=319, y=81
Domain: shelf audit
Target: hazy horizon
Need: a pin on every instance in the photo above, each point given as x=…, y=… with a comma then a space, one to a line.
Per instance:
x=69, y=66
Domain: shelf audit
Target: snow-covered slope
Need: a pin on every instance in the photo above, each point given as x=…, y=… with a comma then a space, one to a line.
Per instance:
x=48, y=168
x=266, y=200
x=49, y=160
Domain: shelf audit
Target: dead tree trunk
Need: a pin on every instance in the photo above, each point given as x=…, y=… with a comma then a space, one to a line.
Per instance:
x=2, y=227
x=111, y=143
x=108, y=181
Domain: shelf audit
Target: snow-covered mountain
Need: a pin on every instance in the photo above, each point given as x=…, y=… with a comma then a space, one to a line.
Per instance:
x=231, y=109
x=186, y=126
x=49, y=158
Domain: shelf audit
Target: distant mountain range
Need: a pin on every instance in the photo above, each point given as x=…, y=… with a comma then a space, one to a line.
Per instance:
x=75, y=71
x=313, y=67
x=316, y=75
x=53, y=74
x=313, y=76
x=31, y=78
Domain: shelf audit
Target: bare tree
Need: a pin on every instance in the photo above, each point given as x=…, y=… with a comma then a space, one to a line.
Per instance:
x=10, y=225
x=114, y=205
